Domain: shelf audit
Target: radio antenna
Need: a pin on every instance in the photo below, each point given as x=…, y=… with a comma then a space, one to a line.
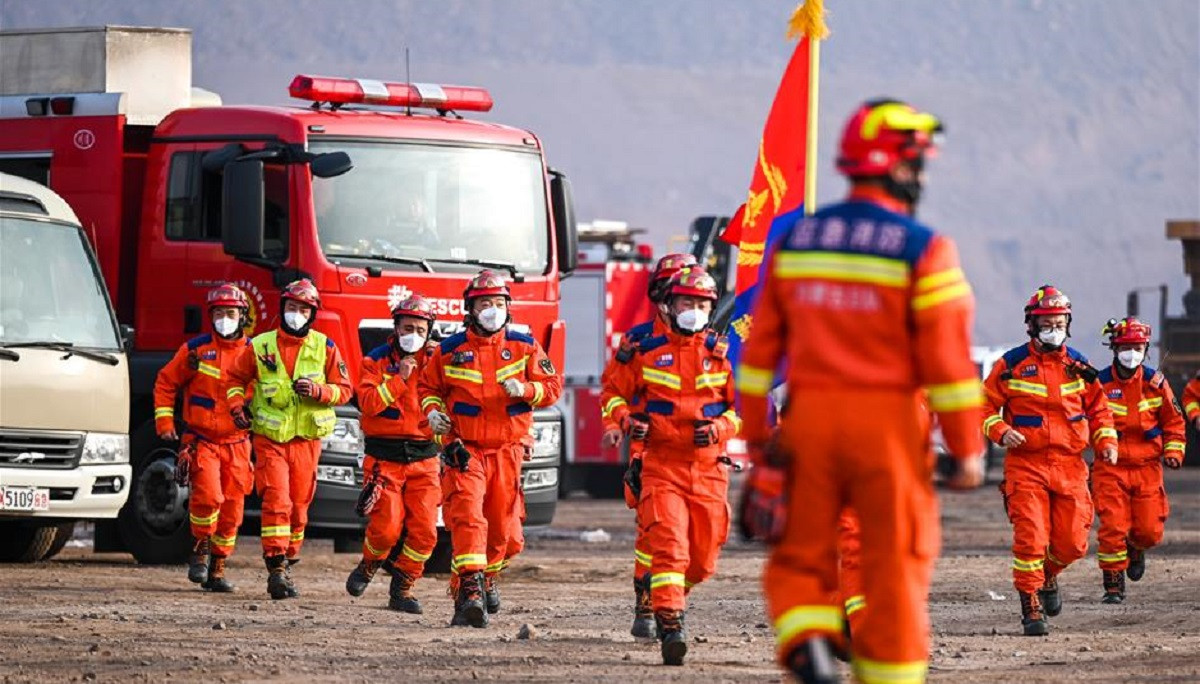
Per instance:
x=408, y=79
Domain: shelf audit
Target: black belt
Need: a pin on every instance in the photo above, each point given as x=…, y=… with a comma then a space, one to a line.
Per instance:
x=397, y=450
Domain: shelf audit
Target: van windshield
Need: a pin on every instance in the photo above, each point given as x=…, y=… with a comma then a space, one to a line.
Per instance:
x=440, y=203
x=50, y=288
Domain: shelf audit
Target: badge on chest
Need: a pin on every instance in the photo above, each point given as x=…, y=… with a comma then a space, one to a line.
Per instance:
x=209, y=355
x=463, y=357
x=1028, y=371
x=1115, y=393
x=664, y=360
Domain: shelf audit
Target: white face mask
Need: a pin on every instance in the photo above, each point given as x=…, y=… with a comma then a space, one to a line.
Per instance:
x=295, y=319
x=492, y=319
x=1053, y=337
x=1131, y=358
x=225, y=326
x=411, y=342
x=692, y=320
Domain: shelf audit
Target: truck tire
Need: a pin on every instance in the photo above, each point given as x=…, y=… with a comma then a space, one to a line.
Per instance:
x=153, y=523
x=23, y=541
x=62, y=534
x=439, y=562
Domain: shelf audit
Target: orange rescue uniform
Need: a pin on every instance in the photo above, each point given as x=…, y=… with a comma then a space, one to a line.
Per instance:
x=463, y=378
x=285, y=474
x=866, y=306
x=680, y=380
x=221, y=473
x=1191, y=399
x=1047, y=398
x=401, y=458
x=1130, y=497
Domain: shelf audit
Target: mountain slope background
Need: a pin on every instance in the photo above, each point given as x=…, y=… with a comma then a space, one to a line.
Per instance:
x=1073, y=125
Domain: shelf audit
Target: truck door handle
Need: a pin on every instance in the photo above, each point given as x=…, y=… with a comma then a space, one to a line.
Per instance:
x=191, y=319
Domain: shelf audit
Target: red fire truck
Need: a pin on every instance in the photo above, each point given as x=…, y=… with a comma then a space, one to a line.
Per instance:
x=372, y=189
x=604, y=297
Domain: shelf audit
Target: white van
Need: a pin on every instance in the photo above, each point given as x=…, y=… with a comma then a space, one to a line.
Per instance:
x=64, y=379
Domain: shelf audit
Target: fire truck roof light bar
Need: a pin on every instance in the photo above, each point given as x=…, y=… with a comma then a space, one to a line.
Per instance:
x=341, y=91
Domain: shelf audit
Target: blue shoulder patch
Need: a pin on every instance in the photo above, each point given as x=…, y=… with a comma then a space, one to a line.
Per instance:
x=379, y=353
x=1148, y=373
x=511, y=335
x=453, y=342
x=639, y=332
x=1077, y=355
x=199, y=341
x=651, y=343
x=1106, y=375
x=329, y=342
x=1016, y=355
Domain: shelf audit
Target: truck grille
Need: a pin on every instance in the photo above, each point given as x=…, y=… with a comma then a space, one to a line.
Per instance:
x=35, y=449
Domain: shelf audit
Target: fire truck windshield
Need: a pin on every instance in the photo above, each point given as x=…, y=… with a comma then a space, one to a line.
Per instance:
x=420, y=204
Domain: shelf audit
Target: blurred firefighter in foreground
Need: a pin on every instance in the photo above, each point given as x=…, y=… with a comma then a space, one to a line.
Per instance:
x=214, y=453
x=1045, y=405
x=1191, y=401
x=1130, y=498
x=401, y=488
x=479, y=390
x=298, y=376
x=685, y=416
x=866, y=306
x=668, y=266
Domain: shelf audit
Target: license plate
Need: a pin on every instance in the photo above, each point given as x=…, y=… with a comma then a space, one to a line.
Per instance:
x=24, y=499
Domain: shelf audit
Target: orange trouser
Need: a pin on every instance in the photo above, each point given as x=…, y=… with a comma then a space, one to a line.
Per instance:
x=1132, y=505
x=408, y=502
x=685, y=521
x=221, y=478
x=850, y=582
x=641, y=553
x=286, y=478
x=1050, y=508
x=483, y=508
x=865, y=449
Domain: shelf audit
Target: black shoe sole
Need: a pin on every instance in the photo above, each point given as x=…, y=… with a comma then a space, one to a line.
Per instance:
x=225, y=588
x=198, y=577
x=1113, y=599
x=1051, y=606
x=476, y=616
x=673, y=652
x=355, y=589
x=1037, y=629
x=643, y=628
x=411, y=607
x=1135, y=576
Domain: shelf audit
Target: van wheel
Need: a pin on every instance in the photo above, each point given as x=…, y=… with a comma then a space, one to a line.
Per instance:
x=62, y=534
x=30, y=541
x=154, y=522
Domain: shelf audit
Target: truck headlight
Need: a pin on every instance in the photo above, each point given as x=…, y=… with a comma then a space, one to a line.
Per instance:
x=347, y=437
x=343, y=475
x=104, y=448
x=547, y=439
x=543, y=478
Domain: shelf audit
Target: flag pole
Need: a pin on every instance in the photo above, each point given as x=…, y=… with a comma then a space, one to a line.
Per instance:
x=810, y=158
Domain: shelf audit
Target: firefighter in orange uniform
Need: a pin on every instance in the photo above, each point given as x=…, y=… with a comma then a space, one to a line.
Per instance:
x=685, y=418
x=298, y=376
x=479, y=390
x=1130, y=498
x=866, y=305
x=214, y=453
x=401, y=488
x=669, y=265
x=1191, y=401
x=1045, y=405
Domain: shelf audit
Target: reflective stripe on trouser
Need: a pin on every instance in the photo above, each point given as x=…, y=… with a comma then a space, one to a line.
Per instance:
x=850, y=586
x=286, y=478
x=483, y=508
x=220, y=480
x=409, y=501
x=1132, y=506
x=1051, y=514
x=686, y=522
x=864, y=450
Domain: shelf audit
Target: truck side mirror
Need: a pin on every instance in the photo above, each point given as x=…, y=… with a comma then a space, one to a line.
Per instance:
x=565, y=231
x=242, y=208
x=330, y=164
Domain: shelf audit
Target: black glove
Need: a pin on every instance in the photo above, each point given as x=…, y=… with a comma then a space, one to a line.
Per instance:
x=369, y=496
x=242, y=418
x=455, y=455
x=193, y=360
x=183, y=465
x=633, y=478
x=637, y=426
x=705, y=433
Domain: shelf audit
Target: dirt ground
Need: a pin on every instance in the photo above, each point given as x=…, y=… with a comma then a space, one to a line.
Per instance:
x=102, y=618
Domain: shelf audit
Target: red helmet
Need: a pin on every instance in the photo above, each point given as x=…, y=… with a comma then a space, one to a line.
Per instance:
x=883, y=132
x=1128, y=330
x=693, y=281
x=487, y=284
x=667, y=267
x=228, y=295
x=302, y=291
x=1047, y=301
x=415, y=306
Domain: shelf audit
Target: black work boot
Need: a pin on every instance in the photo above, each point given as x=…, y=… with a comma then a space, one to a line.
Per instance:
x=216, y=577
x=198, y=562
x=361, y=576
x=293, y=592
x=1033, y=620
x=400, y=596
x=468, y=602
x=643, y=614
x=813, y=662
x=1114, y=587
x=1050, y=596
x=279, y=585
x=1137, y=562
x=491, y=594
x=672, y=634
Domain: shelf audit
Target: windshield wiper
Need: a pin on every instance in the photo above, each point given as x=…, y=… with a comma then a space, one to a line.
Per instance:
x=389, y=259
x=517, y=274
x=9, y=354
x=68, y=347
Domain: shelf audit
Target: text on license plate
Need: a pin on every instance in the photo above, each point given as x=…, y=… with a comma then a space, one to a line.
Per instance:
x=24, y=499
